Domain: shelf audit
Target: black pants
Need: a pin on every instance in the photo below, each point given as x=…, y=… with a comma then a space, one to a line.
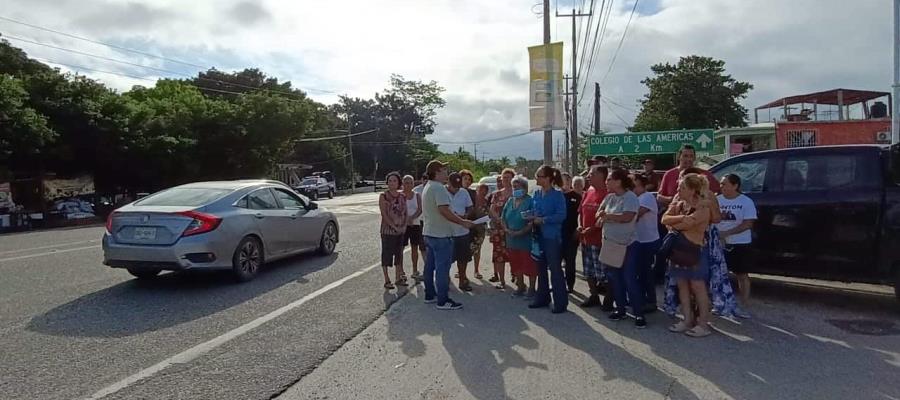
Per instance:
x=569, y=255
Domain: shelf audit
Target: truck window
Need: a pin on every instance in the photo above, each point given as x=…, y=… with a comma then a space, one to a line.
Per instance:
x=752, y=173
x=828, y=172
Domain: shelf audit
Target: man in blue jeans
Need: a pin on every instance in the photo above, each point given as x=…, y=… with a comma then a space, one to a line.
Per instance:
x=439, y=222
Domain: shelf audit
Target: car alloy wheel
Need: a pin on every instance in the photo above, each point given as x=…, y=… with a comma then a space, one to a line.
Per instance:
x=329, y=239
x=249, y=258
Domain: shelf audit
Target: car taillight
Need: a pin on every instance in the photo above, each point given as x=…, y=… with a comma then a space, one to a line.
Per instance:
x=202, y=223
x=109, y=222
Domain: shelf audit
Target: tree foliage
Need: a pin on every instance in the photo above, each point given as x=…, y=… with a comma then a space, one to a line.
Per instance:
x=217, y=125
x=692, y=94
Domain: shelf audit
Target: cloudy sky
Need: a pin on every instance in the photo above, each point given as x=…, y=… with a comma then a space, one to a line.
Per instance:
x=476, y=49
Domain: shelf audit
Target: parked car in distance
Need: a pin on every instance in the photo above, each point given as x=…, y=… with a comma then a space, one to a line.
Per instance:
x=314, y=187
x=829, y=212
x=236, y=226
x=490, y=181
x=329, y=177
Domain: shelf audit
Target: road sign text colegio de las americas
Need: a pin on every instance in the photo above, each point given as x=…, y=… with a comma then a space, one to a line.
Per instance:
x=652, y=142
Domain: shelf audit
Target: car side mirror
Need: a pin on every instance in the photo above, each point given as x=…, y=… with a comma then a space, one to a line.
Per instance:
x=312, y=206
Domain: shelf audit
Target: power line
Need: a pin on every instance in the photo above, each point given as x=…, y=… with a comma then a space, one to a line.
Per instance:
x=124, y=62
x=79, y=67
x=320, y=139
x=626, y=108
x=497, y=139
x=101, y=43
x=132, y=51
x=605, y=15
x=621, y=40
x=614, y=112
x=587, y=35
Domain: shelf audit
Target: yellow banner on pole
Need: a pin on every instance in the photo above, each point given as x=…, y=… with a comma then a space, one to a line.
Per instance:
x=545, y=93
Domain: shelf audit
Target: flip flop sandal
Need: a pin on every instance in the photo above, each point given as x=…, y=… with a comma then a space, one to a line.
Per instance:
x=479, y=276
x=680, y=327
x=388, y=285
x=699, y=332
x=402, y=282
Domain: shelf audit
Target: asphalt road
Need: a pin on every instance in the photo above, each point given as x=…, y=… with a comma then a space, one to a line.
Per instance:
x=315, y=328
x=70, y=327
x=808, y=340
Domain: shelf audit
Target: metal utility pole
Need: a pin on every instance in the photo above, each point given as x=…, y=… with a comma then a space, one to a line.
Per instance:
x=573, y=133
x=350, y=149
x=548, y=134
x=895, y=97
x=597, y=107
x=476, y=151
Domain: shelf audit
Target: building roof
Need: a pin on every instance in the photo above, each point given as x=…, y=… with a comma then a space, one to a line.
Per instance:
x=762, y=128
x=850, y=96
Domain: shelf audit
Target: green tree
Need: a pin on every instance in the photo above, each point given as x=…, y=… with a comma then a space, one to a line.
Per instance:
x=23, y=131
x=694, y=93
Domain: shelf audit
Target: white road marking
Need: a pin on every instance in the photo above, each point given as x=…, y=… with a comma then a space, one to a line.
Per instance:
x=48, y=247
x=205, y=347
x=49, y=253
x=777, y=329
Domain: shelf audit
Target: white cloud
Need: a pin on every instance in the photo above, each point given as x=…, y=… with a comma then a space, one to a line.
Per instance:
x=475, y=48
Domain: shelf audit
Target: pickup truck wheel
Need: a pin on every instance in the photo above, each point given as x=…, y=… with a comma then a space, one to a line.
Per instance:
x=315, y=195
x=144, y=274
x=330, y=193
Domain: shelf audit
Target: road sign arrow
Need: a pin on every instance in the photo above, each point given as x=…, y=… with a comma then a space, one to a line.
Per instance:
x=704, y=141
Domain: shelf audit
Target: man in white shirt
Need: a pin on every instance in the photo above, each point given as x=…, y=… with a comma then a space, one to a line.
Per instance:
x=461, y=205
x=438, y=228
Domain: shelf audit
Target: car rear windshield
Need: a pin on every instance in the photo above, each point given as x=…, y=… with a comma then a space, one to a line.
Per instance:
x=188, y=197
x=310, y=181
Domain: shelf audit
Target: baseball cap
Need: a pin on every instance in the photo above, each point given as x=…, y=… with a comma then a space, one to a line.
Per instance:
x=434, y=166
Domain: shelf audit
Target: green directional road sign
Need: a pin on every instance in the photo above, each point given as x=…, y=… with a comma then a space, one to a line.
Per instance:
x=652, y=142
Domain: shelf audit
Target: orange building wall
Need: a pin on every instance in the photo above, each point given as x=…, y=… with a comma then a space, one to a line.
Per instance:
x=835, y=132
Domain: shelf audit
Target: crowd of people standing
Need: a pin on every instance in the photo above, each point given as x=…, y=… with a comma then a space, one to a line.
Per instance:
x=631, y=227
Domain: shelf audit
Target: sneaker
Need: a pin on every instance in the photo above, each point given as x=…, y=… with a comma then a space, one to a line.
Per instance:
x=617, y=316
x=430, y=300
x=449, y=305
x=591, y=301
x=607, y=304
x=640, y=322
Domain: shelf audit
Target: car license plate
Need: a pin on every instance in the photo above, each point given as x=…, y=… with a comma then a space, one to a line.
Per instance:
x=144, y=233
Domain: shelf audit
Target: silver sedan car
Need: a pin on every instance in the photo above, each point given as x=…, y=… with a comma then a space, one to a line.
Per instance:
x=236, y=225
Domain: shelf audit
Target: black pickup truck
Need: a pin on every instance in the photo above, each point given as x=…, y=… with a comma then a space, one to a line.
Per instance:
x=830, y=212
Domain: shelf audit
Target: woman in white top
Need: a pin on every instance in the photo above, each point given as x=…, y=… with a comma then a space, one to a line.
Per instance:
x=735, y=231
x=413, y=236
x=648, y=239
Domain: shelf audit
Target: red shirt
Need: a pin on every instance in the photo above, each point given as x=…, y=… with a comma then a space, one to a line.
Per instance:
x=669, y=185
x=588, y=215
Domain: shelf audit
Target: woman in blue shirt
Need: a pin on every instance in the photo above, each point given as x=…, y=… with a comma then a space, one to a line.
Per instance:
x=549, y=215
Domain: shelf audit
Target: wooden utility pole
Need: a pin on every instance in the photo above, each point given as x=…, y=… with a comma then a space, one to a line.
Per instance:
x=350, y=149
